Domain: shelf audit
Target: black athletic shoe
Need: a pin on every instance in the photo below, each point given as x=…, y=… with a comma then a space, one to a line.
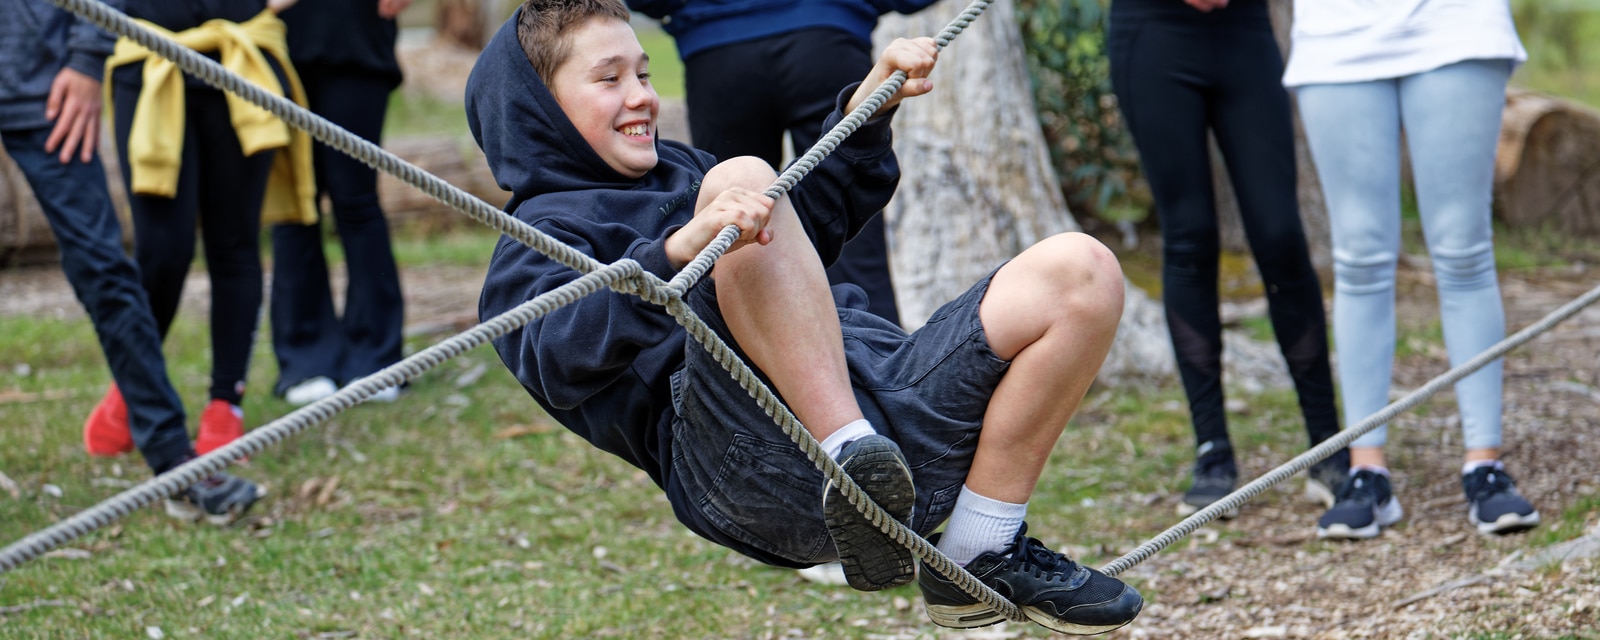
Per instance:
x=1323, y=478
x=1050, y=588
x=1365, y=504
x=1215, y=475
x=220, y=499
x=1497, y=507
x=871, y=559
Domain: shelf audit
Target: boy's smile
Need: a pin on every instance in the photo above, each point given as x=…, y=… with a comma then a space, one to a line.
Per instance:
x=604, y=89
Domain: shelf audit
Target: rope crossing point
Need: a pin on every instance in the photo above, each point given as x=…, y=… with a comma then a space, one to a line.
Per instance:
x=626, y=276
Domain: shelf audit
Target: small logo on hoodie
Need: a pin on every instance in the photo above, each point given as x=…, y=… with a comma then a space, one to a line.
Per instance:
x=680, y=200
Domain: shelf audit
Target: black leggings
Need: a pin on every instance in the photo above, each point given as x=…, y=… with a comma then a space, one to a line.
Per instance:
x=219, y=190
x=1178, y=73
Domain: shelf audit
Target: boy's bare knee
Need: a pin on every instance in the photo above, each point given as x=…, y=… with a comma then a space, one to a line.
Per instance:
x=747, y=172
x=1082, y=270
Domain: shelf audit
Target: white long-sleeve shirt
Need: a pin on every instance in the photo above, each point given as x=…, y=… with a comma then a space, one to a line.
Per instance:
x=1335, y=41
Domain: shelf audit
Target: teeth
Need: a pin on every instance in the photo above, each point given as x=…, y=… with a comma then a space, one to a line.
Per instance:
x=635, y=130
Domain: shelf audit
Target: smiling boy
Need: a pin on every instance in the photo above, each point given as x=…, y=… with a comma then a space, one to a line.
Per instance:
x=951, y=423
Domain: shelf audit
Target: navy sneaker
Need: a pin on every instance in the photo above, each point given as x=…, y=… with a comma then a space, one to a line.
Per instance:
x=1050, y=588
x=872, y=560
x=1497, y=507
x=1215, y=474
x=1324, y=478
x=1365, y=504
x=220, y=499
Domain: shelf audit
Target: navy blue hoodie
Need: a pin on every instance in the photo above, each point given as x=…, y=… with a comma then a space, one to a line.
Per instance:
x=602, y=365
x=37, y=40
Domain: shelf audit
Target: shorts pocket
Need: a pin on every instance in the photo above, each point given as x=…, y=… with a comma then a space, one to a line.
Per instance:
x=769, y=496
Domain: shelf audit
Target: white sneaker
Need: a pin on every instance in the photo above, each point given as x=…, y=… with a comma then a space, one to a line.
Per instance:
x=311, y=390
x=388, y=394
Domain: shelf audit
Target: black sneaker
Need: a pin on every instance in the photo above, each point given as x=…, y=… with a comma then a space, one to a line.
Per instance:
x=1365, y=503
x=1497, y=507
x=872, y=560
x=1324, y=478
x=1215, y=475
x=1050, y=588
x=220, y=499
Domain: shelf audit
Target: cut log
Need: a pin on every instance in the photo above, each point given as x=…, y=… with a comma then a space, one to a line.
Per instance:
x=1547, y=170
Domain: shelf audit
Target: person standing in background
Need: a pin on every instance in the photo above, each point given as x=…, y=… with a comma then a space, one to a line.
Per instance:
x=1437, y=70
x=50, y=117
x=757, y=70
x=344, y=51
x=1180, y=69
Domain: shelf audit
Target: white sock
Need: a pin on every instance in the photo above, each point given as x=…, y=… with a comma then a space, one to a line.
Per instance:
x=980, y=524
x=836, y=441
x=1473, y=466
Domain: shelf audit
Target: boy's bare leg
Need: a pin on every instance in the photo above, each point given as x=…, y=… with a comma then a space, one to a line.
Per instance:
x=776, y=301
x=1053, y=312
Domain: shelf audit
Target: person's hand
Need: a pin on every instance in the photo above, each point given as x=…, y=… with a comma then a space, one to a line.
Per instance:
x=277, y=6
x=915, y=57
x=388, y=9
x=1205, y=6
x=74, y=105
x=749, y=210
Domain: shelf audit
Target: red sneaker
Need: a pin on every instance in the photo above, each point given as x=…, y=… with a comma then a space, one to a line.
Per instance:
x=222, y=422
x=106, y=432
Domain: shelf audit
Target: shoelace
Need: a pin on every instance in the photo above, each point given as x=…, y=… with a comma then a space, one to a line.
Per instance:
x=1040, y=561
x=1492, y=482
x=1359, y=486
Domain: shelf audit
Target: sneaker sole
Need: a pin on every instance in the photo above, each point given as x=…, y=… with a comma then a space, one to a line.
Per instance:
x=964, y=616
x=1061, y=626
x=186, y=512
x=1382, y=517
x=1508, y=523
x=1319, y=492
x=1185, y=509
x=872, y=560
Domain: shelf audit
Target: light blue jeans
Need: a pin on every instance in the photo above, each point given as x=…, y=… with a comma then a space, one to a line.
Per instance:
x=1451, y=119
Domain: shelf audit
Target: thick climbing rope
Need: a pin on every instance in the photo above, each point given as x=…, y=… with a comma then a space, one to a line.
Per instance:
x=1344, y=438
x=627, y=277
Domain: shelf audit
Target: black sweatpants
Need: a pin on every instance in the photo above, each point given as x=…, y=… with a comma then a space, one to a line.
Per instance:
x=220, y=190
x=743, y=97
x=1179, y=73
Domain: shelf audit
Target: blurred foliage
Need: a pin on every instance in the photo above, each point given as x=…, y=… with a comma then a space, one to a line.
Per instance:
x=1560, y=37
x=1065, y=41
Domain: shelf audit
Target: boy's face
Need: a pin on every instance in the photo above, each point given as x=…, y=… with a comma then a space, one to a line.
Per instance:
x=604, y=88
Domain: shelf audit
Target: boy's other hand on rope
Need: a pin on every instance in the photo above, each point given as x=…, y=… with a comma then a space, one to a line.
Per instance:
x=915, y=57
x=746, y=209
x=74, y=105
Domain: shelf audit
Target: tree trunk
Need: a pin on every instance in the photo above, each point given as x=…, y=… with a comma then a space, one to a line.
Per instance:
x=1546, y=173
x=978, y=188
x=977, y=185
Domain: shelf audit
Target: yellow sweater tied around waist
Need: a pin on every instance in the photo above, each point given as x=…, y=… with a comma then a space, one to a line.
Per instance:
x=155, y=143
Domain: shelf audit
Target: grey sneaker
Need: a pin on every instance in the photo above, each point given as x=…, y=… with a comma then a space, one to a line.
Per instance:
x=1497, y=507
x=1324, y=478
x=1050, y=588
x=1365, y=504
x=872, y=560
x=1215, y=474
x=220, y=499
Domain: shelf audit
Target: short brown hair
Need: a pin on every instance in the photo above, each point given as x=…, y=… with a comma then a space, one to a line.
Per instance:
x=542, y=29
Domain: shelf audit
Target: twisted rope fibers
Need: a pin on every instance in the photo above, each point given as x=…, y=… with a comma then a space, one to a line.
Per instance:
x=372, y=155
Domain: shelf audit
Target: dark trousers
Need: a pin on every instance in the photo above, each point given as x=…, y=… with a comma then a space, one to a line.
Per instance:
x=743, y=97
x=75, y=199
x=1177, y=74
x=219, y=190
x=308, y=337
